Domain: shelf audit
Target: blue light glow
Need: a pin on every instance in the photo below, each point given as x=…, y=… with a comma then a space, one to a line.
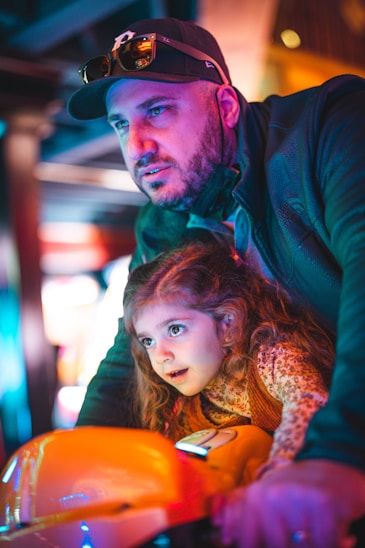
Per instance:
x=8, y=473
x=3, y=127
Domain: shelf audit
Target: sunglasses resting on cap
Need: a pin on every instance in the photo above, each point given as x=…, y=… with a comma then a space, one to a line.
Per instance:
x=137, y=54
x=164, y=50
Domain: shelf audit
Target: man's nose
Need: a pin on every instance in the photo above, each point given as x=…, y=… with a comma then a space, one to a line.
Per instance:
x=140, y=143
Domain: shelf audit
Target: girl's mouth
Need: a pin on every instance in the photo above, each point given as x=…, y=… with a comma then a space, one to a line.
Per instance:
x=175, y=374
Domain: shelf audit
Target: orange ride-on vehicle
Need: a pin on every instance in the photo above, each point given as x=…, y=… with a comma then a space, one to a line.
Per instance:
x=99, y=487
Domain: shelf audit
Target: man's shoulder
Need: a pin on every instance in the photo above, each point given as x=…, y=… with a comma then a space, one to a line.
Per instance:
x=351, y=81
x=338, y=85
x=287, y=110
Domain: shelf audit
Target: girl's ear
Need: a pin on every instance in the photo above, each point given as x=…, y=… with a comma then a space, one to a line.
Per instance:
x=226, y=322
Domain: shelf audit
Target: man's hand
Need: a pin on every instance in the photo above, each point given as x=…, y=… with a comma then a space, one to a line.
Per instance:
x=308, y=504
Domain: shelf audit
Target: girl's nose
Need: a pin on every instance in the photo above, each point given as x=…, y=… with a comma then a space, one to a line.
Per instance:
x=164, y=354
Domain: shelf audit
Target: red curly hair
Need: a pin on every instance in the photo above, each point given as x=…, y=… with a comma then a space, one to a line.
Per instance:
x=213, y=279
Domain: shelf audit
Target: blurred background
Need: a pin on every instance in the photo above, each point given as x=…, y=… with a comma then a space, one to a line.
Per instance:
x=67, y=204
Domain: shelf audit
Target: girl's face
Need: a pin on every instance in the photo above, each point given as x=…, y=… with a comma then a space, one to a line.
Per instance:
x=183, y=345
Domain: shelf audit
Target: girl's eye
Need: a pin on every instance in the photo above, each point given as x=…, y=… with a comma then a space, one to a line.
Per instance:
x=176, y=330
x=146, y=342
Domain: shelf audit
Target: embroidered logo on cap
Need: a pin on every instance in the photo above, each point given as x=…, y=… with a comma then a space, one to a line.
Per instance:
x=127, y=35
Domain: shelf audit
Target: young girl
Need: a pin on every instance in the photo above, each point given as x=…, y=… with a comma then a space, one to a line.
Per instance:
x=216, y=345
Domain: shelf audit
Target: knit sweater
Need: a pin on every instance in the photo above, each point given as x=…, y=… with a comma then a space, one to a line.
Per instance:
x=279, y=392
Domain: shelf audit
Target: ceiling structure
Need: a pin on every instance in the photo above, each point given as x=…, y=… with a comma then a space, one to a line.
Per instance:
x=57, y=36
x=79, y=168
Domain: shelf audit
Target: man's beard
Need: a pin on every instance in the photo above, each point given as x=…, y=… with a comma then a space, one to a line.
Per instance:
x=200, y=167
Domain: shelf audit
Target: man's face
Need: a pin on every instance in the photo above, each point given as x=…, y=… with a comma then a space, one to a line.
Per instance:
x=169, y=135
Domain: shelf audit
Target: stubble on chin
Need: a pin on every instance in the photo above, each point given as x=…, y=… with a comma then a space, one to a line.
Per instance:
x=190, y=181
x=201, y=166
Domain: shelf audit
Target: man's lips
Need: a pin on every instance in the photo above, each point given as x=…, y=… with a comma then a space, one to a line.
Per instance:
x=150, y=175
x=150, y=170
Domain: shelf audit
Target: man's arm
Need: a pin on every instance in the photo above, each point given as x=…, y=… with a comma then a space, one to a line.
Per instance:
x=108, y=397
x=321, y=494
x=337, y=431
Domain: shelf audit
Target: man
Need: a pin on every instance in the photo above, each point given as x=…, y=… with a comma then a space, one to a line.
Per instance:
x=285, y=179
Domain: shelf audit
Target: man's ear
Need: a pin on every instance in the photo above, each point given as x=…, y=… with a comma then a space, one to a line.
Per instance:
x=229, y=105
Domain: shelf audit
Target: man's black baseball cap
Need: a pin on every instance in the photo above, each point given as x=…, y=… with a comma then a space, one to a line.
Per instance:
x=169, y=65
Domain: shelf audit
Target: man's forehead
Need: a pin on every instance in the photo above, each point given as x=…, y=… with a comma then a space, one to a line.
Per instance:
x=133, y=91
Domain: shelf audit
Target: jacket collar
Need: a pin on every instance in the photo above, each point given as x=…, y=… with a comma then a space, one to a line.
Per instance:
x=243, y=183
x=216, y=200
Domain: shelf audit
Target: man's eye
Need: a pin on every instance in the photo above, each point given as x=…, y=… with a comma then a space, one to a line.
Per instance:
x=121, y=124
x=176, y=330
x=156, y=111
x=146, y=342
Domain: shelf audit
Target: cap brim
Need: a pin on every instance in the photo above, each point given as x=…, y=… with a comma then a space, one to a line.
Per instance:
x=88, y=102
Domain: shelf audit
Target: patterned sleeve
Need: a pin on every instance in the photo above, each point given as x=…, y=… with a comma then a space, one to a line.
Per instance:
x=291, y=377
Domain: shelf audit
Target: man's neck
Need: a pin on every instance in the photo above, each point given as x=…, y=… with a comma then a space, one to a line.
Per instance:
x=216, y=200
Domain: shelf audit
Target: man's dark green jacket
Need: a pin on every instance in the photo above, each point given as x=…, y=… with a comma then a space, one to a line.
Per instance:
x=301, y=196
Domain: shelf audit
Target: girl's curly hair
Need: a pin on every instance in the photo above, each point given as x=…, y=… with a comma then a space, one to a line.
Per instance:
x=213, y=279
